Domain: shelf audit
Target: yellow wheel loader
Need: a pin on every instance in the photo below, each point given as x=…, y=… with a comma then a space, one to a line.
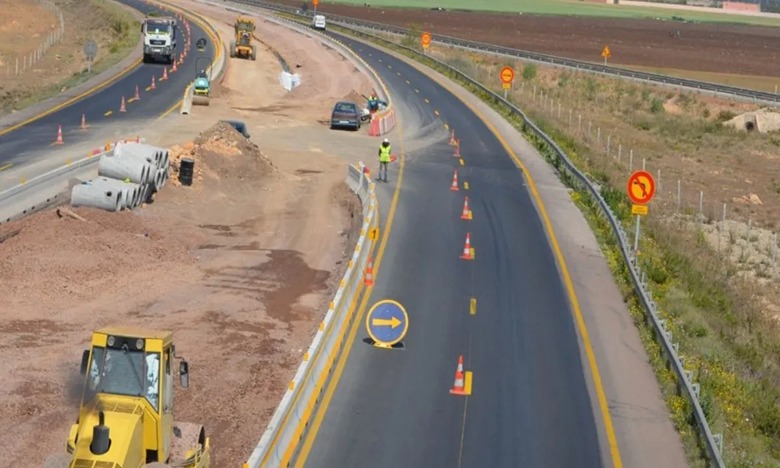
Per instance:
x=126, y=416
x=242, y=45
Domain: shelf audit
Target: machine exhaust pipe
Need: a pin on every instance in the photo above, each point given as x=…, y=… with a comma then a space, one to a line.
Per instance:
x=100, y=437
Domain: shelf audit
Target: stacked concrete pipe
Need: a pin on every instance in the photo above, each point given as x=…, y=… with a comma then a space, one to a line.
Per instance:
x=131, y=173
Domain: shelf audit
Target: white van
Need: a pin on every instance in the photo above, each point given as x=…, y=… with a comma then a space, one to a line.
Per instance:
x=318, y=22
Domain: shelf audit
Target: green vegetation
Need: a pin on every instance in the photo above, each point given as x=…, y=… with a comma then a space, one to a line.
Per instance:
x=124, y=32
x=572, y=8
x=731, y=347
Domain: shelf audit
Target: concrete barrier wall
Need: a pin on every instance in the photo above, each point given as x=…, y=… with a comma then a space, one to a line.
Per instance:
x=280, y=441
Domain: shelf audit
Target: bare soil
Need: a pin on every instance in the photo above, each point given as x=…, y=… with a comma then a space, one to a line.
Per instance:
x=241, y=266
x=24, y=28
x=722, y=48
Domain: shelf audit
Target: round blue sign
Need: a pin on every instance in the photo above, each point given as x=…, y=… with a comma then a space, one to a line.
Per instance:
x=387, y=322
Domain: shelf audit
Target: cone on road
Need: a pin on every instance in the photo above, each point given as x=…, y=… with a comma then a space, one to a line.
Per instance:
x=83, y=121
x=165, y=74
x=468, y=252
x=122, y=105
x=59, y=135
x=153, y=86
x=454, y=187
x=466, y=214
x=137, y=96
x=459, y=387
x=453, y=142
x=173, y=68
x=369, y=279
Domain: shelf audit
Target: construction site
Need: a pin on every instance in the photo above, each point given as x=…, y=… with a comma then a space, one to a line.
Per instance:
x=240, y=265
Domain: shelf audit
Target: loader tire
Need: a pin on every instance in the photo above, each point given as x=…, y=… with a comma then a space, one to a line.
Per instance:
x=57, y=460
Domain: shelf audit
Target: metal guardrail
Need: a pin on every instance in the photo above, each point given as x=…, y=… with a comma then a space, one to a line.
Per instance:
x=280, y=440
x=732, y=92
x=712, y=442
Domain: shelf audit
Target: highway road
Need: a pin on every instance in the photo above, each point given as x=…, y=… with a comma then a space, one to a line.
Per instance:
x=20, y=144
x=529, y=405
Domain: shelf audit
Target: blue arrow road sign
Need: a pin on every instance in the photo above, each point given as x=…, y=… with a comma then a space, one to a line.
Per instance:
x=387, y=322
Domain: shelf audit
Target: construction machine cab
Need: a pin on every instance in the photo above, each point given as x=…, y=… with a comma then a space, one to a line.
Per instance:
x=126, y=414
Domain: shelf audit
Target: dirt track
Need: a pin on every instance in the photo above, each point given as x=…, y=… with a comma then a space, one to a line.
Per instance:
x=738, y=49
x=241, y=266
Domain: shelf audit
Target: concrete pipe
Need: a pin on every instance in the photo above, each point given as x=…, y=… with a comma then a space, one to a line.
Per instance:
x=122, y=168
x=132, y=191
x=159, y=180
x=93, y=196
x=151, y=154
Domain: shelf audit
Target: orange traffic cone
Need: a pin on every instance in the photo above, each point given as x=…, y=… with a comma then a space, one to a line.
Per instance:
x=122, y=106
x=165, y=74
x=468, y=252
x=59, y=135
x=369, y=280
x=137, y=96
x=459, y=387
x=454, y=186
x=173, y=68
x=466, y=214
x=453, y=142
x=153, y=86
x=83, y=121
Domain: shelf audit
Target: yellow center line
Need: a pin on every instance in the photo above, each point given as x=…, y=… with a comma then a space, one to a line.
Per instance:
x=465, y=185
x=446, y=127
x=311, y=436
x=436, y=112
x=462, y=163
x=408, y=82
x=426, y=100
x=2, y=168
x=473, y=306
x=108, y=113
x=416, y=90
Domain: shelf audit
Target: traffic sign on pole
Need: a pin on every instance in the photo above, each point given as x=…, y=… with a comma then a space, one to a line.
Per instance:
x=641, y=187
x=606, y=54
x=507, y=76
x=387, y=323
x=425, y=39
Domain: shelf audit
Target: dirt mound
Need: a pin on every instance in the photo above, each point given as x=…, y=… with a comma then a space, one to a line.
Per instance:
x=222, y=153
x=355, y=97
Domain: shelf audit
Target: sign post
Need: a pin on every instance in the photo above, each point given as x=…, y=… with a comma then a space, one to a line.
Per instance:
x=90, y=51
x=641, y=188
x=507, y=77
x=425, y=40
x=387, y=323
x=606, y=54
x=315, y=3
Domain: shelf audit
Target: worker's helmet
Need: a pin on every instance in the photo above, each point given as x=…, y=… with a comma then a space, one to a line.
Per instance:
x=386, y=140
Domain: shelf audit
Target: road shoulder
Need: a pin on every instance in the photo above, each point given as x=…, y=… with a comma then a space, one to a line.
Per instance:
x=644, y=430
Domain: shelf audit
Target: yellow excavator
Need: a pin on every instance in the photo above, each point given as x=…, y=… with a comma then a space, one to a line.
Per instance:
x=242, y=45
x=126, y=417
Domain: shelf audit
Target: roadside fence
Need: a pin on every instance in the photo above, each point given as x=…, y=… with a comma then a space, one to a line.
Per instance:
x=16, y=65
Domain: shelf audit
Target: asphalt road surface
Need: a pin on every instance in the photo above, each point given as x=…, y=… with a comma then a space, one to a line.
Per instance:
x=530, y=406
x=31, y=140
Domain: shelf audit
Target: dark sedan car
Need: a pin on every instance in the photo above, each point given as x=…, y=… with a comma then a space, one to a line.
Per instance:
x=345, y=114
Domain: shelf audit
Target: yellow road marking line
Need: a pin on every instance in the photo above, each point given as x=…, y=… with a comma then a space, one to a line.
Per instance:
x=426, y=100
x=108, y=113
x=407, y=82
x=591, y=357
x=388, y=65
x=461, y=161
x=466, y=185
x=436, y=112
x=467, y=383
x=473, y=306
x=148, y=88
x=2, y=168
x=398, y=73
x=358, y=319
x=416, y=90
x=446, y=127
x=73, y=99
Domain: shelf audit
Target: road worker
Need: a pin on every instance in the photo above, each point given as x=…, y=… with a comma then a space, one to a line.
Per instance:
x=384, y=159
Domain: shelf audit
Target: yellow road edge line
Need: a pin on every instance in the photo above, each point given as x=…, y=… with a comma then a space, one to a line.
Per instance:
x=467, y=382
x=72, y=100
x=347, y=347
x=473, y=306
x=590, y=355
